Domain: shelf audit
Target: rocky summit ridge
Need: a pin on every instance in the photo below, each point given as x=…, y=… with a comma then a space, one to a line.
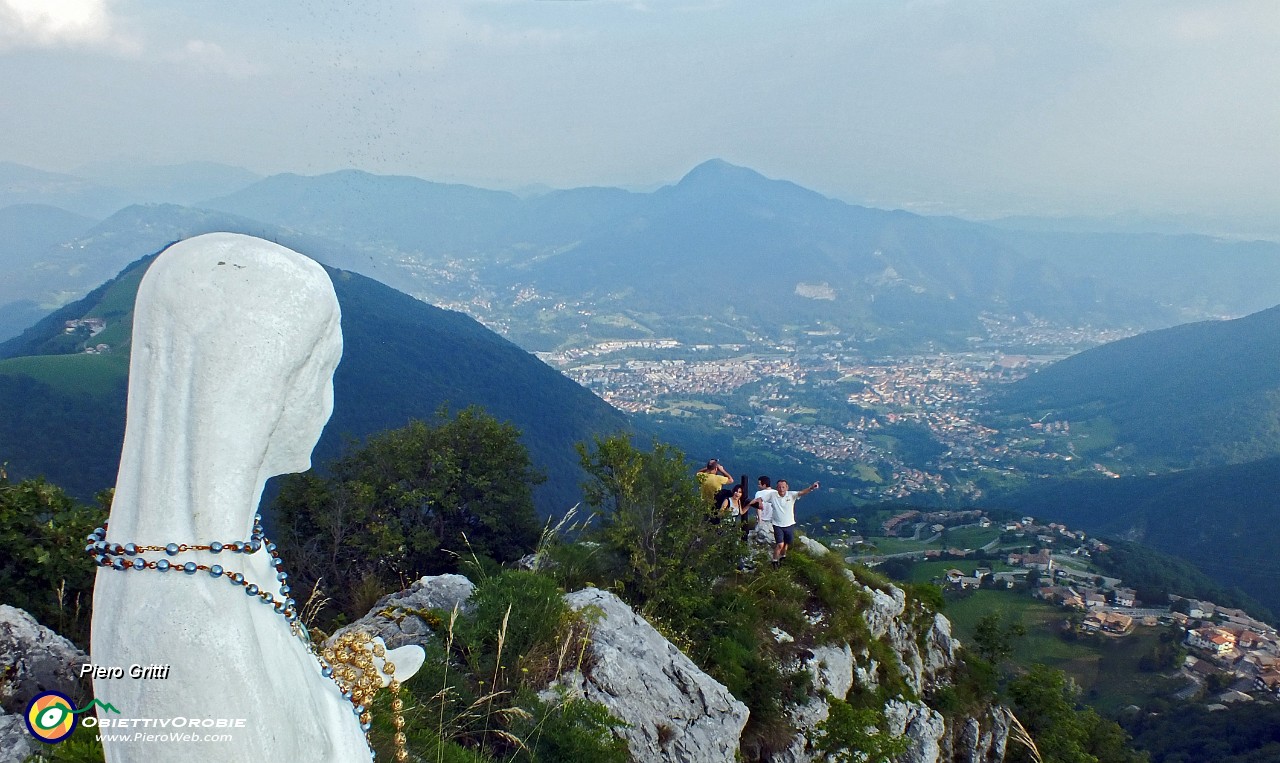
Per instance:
x=671, y=708
x=675, y=712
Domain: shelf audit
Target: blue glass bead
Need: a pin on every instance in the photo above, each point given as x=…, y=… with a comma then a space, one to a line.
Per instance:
x=118, y=563
x=171, y=549
x=279, y=605
x=237, y=578
x=285, y=589
x=216, y=570
x=234, y=547
x=267, y=597
x=139, y=564
x=366, y=726
x=278, y=562
x=358, y=709
x=117, y=549
x=89, y=549
x=215, y=547
x=162, y=565
x=104, y=560
x=131, y=549
x=346, y=695
x=282, y=577
x=100, y=546
x=92, y=536
x=326, y=671
x=251, y=589
x=189, y=568
x=290, y=602
x=257, y=518
x=255, y=544
x=271, y=547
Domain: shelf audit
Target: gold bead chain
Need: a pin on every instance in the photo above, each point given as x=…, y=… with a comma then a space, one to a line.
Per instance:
x=351, y=658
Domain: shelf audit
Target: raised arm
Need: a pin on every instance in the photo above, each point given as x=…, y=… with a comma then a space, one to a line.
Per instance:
x=809, y=489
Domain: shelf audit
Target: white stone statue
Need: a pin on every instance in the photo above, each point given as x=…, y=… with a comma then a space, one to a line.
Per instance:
x=235, y=341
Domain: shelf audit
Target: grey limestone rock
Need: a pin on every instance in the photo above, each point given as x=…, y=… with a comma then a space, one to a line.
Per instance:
x=397, y=617
x=982, y=740
x=832, y=669
x=675, y=711
x=34, y=659
x=888, y=619
x=15, y=741
x=923, y=727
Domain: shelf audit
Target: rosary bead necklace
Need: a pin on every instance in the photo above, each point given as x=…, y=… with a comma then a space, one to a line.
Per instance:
x=356, y=673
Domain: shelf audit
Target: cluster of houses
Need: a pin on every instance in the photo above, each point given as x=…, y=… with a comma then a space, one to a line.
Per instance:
x=94, y=326
x=938, y=520
x=1221, y=640
x=1228, y=640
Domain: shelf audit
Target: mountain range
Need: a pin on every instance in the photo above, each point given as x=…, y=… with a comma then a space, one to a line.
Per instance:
x=1200, y=401
x=724, y=254
x=1200, y=393
x=62, y=410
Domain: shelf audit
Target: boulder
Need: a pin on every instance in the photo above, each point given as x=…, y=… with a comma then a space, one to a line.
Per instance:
x=813, y=547
x=924, y=728
x=16, y=743
x=400, y=618
x=675, y=711
x=35, y=659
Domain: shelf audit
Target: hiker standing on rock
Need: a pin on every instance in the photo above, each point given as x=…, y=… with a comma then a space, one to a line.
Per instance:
x=784, y=518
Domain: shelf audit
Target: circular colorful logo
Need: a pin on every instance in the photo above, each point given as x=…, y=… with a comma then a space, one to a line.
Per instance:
x=51, y=717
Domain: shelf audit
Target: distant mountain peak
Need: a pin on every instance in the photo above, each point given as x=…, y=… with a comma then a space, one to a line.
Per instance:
x=719, y=171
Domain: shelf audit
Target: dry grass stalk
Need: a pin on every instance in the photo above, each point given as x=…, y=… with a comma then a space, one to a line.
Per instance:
x=1019, y=734
x=315, y=604
x=444, y=690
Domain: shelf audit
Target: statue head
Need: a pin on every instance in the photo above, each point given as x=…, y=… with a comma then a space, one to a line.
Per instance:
x=235, y=341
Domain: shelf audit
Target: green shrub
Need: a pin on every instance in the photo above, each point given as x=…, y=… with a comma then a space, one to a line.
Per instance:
x=515, y=624
x=81, y=747
x=856, y=735
x=927, y=595
x=414, y=501
x=43, y=566
x=569, y=730
x=653, y=525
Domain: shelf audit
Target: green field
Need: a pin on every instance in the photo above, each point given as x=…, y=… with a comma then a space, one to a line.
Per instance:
x=867, y=474
x=1093, y=437
x=81, y=374
x=896, y=545
x=1105, y=668
x=924, y=572
x=971, y=537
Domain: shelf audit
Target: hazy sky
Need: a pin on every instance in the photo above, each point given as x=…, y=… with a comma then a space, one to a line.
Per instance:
x=981, y=108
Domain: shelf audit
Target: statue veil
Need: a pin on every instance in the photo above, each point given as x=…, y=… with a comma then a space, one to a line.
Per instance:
x=235, y=341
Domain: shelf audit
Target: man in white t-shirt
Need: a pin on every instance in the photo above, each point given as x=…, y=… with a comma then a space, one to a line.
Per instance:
x=784, y=518
x=763, y=499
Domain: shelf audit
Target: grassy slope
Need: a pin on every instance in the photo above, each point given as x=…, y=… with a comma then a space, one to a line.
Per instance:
x=75, y=375
x=1105, y=668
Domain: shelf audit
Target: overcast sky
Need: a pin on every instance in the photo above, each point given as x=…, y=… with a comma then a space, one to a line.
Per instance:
x=978, y=108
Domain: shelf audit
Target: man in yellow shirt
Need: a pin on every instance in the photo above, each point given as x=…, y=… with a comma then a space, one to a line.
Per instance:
x=711, y=478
